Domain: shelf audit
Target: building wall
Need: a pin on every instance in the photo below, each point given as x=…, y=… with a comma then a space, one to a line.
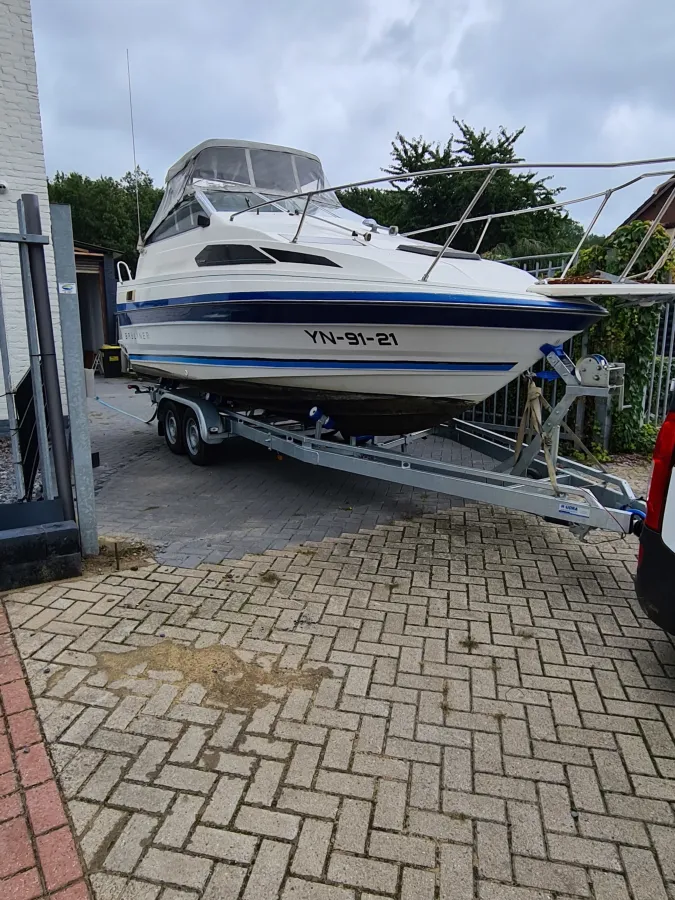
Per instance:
x=22, y=168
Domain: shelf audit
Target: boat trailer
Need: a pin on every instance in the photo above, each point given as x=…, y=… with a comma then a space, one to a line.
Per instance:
x=530, y=474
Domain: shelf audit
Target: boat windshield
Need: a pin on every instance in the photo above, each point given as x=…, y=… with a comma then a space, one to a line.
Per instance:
x=235, y=201
x=227, y=200
x=271, y=171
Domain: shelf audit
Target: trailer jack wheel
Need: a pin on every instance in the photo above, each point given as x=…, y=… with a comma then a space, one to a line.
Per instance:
x=200, y=453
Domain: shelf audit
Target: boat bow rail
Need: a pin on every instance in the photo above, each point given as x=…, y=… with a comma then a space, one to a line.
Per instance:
x=624, y=284
x=578, y=495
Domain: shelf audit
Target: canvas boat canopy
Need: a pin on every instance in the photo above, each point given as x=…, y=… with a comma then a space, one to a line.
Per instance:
x=243, y=167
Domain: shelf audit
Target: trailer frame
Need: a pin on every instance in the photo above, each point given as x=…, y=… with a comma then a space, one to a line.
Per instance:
x=530, y=476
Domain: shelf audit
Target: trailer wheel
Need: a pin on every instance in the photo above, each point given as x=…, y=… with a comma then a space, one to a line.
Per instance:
x=200, y=453
x=172, y=420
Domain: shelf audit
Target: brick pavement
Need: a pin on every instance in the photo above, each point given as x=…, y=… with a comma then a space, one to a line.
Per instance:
x=38, y=857
x=461, y=706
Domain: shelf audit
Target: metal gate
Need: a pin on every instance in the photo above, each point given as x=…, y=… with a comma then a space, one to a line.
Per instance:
x=657, y=393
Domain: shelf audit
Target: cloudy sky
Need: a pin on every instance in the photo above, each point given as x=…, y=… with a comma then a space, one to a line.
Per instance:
x=590, y=79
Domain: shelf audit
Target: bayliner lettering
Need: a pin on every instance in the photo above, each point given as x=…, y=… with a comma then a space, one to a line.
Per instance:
x=129, y=335
x=353, y=338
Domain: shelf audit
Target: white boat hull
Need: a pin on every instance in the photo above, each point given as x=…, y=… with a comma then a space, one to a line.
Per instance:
x=467, y=364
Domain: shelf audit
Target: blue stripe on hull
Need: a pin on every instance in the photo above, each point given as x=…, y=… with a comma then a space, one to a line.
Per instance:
x=417, y=298
x=327, y=312
x=324, y=364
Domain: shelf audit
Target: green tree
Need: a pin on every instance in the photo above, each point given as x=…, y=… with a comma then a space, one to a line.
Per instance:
x=433, y=200
x=104, y=209
x=386, y=207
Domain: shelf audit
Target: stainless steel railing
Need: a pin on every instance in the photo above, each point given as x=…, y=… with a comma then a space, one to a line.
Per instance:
x=491, y=169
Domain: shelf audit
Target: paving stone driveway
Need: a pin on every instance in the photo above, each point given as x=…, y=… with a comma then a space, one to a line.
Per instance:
x=248, y=502
x=467, y=705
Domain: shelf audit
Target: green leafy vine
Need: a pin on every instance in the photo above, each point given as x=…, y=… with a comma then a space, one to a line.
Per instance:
x=627, y=334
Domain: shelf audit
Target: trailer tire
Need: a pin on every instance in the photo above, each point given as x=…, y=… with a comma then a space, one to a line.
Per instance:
x=198, y=452
x=173, y=427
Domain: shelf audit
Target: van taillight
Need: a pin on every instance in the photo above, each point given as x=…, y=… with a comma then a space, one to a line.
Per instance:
x=664, y=453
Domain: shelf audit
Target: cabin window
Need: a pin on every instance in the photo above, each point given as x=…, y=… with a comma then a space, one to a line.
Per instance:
x=184, y=218
x=231, y=255
x=293, y=256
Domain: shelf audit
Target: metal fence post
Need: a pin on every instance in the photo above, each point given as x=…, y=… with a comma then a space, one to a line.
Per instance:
x=38, y=275
x=580, y=414
x=651, y=381
x=48, y=487
x=604, y=419
x=73, y=367
x=670, y=361
x=665, y=315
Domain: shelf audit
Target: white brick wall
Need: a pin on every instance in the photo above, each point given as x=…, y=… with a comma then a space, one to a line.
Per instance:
x=22, y=167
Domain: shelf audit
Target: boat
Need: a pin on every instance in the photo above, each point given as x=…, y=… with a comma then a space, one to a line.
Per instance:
x=256, y=284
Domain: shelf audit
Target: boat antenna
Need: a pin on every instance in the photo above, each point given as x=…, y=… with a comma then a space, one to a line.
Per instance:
x=133, y=148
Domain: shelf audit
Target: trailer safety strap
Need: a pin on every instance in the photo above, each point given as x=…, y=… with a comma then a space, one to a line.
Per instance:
x=532, y=422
